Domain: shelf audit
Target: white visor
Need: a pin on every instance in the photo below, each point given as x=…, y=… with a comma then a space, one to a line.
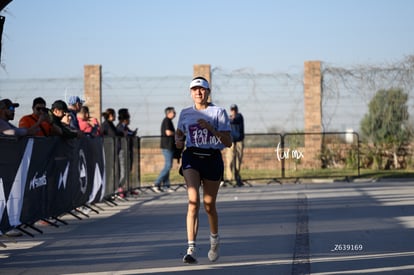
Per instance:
x=199, y=83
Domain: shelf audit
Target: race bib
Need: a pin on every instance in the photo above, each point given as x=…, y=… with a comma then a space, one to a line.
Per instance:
x=200, y=136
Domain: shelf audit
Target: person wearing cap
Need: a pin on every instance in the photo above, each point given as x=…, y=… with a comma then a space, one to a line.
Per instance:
x=7, y=108
x=74, y=106
x=205, y=130
x=60, y=118
x=46, y=128
x=234, y=154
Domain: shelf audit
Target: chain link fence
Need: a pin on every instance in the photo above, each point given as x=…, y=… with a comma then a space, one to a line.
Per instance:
x=269, y=102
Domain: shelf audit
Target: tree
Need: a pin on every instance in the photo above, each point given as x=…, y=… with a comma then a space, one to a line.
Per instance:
x=386, y=123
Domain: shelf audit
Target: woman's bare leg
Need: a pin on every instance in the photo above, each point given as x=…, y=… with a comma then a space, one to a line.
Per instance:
x=192, y=179
x=210, y=190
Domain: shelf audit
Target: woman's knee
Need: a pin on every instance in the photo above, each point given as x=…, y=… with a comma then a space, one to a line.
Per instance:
x=193, y=207
x=210, y=207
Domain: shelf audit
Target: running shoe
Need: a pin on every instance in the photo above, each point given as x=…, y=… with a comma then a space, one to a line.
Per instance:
x=156, y=189
x=169, y=190
x=190, y=257
x=213, y=253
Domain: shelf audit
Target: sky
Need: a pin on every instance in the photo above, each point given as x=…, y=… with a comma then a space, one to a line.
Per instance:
x=49, y=38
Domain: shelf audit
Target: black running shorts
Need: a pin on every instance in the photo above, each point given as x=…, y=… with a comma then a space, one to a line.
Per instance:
x=208, y=162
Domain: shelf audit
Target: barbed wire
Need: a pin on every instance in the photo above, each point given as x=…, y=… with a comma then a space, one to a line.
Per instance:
x=269, y=102
x=347, y=91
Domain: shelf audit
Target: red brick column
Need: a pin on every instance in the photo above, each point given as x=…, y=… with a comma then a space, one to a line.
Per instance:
x=313, y=112
x=93, y=89
x=203, y=70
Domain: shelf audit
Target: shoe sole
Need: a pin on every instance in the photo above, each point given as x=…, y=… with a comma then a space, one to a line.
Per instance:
x=188, y=259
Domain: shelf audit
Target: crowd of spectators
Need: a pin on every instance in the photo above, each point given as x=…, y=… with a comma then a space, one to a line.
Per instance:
x=68, y=119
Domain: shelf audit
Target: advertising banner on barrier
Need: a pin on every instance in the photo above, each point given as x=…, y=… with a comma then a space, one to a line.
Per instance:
x=13, y=164
x=46, y=177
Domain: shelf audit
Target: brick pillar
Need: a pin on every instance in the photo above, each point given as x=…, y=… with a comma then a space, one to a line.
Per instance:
x=203, y=70
x=313, y=112
x=93, y=89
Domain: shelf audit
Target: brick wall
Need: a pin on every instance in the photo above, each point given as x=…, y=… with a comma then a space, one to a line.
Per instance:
x=152, y=159
x=255, y=158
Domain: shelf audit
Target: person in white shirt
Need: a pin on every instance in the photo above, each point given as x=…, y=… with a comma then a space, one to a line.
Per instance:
x=204, y=129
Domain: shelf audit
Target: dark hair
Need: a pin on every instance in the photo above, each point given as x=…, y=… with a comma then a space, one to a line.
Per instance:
x=108, y=112
x=38, y=100
x=200, y=77
x=60, y=105
x=169, y=109
x=84, y=109
x=123, y=114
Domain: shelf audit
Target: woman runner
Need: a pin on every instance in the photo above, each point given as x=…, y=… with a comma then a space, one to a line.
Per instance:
x=205, y=130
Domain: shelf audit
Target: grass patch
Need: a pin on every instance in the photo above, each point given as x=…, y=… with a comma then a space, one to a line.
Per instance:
x=175, y=177
x=384, y=174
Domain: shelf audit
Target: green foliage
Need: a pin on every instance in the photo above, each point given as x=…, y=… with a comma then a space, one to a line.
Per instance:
x=387, y=118
x=386, y=126
x=352, y=158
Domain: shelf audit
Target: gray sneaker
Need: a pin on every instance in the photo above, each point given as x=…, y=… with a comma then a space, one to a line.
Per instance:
x=213, y=253
x=156, y=189
x=190, y=257
x=13, y=233
x=169, y=190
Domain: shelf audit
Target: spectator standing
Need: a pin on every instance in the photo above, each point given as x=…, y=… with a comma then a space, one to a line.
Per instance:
x=74, y=106
x=7, y=108
x=108, y=127
x=40, y=112
x=61, y=118
x=205, y=128
x=167, y=146
x=87, y=124
x=124, y=119
x=234, y=154
x=125, y=154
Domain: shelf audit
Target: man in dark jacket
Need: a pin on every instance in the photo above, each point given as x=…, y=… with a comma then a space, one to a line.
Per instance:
x=234, y=154
x=60, y=118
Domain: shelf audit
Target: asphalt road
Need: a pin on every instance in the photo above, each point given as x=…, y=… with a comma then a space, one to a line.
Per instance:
x=308, y=228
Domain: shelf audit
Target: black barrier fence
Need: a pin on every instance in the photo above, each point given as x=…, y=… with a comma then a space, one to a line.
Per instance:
x=319, y=155
x=42, y=178
x=299, y=155
x=46, y=177
x=122, y=164
x=273, y=157
x=150, y=162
